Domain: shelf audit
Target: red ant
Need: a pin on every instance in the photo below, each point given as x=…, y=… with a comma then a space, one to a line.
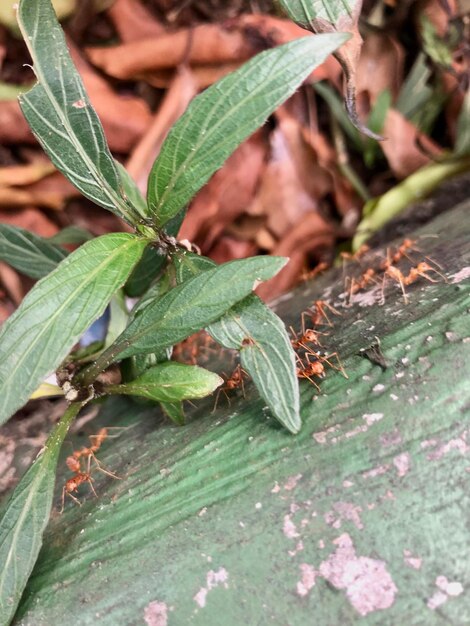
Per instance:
x=310, y=368
x=422, y=269
x=73, y=484
x=347, y=256
x=307, y=336
x=84, y=476
x=96, y=441
x=318, y=313
x=321, y=267
x=367, y=277
x=408, y=244
x=234, y=381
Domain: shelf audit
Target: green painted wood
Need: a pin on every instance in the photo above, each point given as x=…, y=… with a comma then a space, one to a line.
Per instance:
x=362, y=517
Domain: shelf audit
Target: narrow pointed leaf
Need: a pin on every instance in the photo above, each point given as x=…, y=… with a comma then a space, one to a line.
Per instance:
x=61, y=116
x=266, y=354
x=28, y=253
x=194, y=304
x=25, y=518
x=265, y=349
x=170, y=382
x=186, y=309
x=55, y=313
x=70, y=234
x=219, y=119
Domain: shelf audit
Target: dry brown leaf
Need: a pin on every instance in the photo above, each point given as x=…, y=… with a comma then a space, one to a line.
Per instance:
x=13, y=127
x=31, y=219
x=133, y=21
x=203, y=75
x=19, y=175
x=401, y=148
x=11, y=283
x=181, y=90
x=204, y=44
x=227, y=194
x=227, y=248
x=310, y=237
x=380, y=67
x=125, y=118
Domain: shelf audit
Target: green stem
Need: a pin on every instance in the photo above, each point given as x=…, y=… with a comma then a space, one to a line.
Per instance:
x=88, y=376
x=414, y=188
x=344, y=165
x=57, y=436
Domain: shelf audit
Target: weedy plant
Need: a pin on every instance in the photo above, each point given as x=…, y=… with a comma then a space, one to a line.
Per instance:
x=179, y=292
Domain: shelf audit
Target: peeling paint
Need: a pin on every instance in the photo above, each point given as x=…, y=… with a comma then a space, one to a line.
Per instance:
x=458, y=443
x=213, y=580
x=292, y=481
x=370, y=418
x=450, y=588
x=461, y=275
x=368, y=585
x=413, y=561
x=307, y=581
x=392, y=438
x=289, y=528
x=436, y=600
x=298, y=548
x=376, y=471
x=402, y=462
x=156, y=614
x=344, y=511
x=445, y=590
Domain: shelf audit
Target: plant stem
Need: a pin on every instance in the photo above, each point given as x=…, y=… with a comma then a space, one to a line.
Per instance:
x=89, y=374
x=57, y=436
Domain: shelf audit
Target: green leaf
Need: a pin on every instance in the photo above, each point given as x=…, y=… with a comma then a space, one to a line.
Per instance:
x=61, y=116
x=131, y=191
x=148, y=268
x=170, y=382
x=462, y=145
x=337, y=109
x=375, y=122
x=186, y=309
x=30, y=254
x=25, y=518
x=70, y=234
x=265, y=349
x=192, y=305
x=305, y=12
x=266, y=354
x=55, y=313
x=220, y=118
x=175, y=411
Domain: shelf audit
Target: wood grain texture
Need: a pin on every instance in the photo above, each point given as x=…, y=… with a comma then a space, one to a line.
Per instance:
x=362, y=517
